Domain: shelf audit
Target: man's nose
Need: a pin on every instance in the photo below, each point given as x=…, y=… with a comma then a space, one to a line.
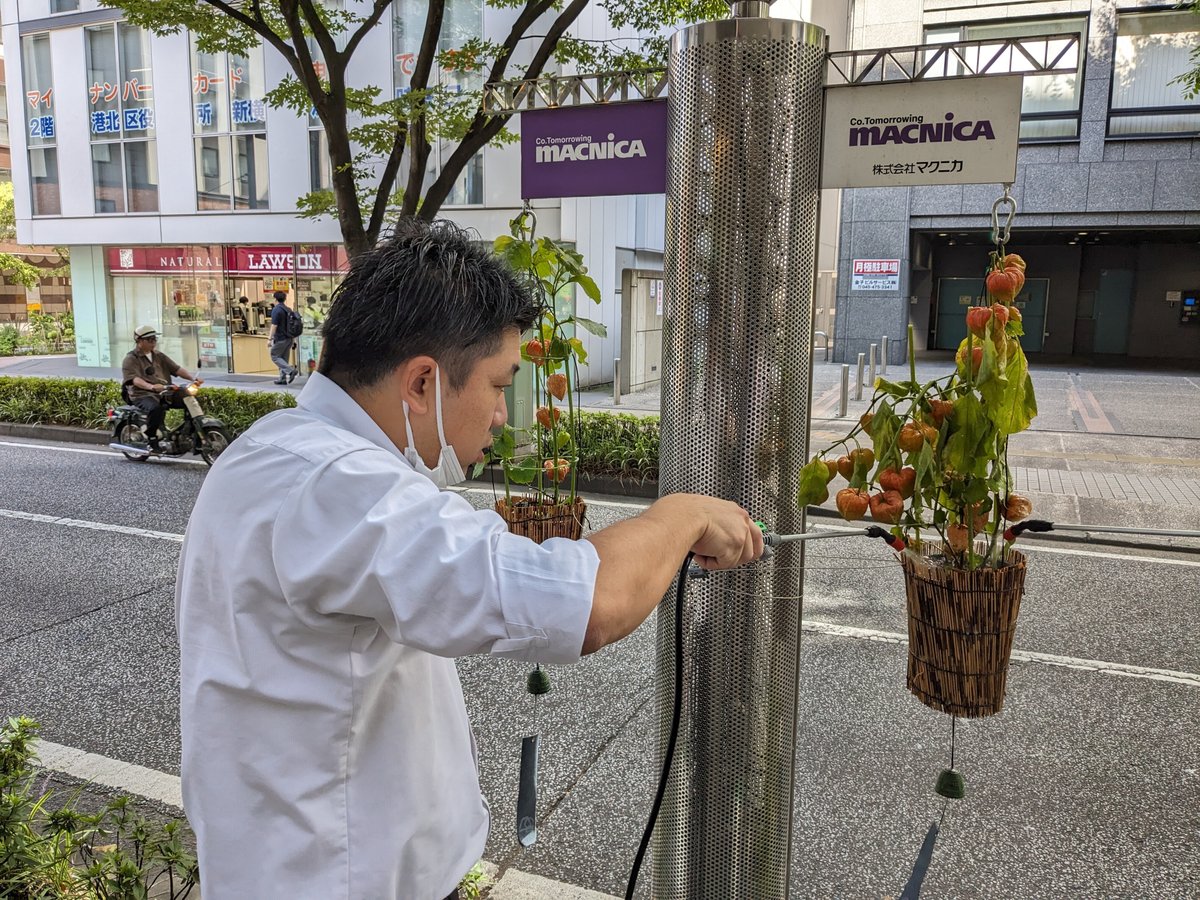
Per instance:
x=501, y=415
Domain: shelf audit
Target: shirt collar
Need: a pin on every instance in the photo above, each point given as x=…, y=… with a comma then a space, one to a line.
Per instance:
x=322, y=396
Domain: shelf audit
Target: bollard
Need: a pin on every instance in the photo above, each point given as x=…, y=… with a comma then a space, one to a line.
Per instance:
x=872, y=356
x=858, y=386
x=845, y=400
x=617, y=381
x=883, y=356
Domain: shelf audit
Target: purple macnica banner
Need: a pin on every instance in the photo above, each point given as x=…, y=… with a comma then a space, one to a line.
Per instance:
x=593, y=151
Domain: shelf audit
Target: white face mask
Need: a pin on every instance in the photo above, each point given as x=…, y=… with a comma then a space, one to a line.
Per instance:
x=448, y=470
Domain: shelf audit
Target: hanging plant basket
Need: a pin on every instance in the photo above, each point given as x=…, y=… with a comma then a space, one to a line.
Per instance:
x=538, y=520
x=960, y=630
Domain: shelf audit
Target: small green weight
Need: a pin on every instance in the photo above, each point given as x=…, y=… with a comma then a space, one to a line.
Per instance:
x=538, y=682
x=950, y=784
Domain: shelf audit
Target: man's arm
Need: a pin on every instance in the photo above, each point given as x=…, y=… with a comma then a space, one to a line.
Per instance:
x=639, y=557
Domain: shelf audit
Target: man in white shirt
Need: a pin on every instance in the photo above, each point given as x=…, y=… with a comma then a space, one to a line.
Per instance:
x=327, y=583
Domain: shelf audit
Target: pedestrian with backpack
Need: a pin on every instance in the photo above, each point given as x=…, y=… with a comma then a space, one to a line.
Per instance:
x=286, y=326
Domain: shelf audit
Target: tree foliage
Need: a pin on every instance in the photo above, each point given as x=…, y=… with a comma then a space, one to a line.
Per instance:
x=380, y=145
x=14, y=266
x=1190, y=80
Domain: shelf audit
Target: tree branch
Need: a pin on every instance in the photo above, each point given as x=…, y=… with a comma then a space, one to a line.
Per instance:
x=386, y=179
x=320, y=33
x=258, y=26
x=418, y=143
x=483, y=127
x=367, y=24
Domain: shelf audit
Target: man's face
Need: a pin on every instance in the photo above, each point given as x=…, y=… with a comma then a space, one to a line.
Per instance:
x=146, y=344
x=470, y=414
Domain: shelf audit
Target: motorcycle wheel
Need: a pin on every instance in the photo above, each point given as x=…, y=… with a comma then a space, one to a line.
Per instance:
x=213, y=442
x=132, y=435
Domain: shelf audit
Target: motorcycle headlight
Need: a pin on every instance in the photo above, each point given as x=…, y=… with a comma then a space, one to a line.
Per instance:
x=192, y=389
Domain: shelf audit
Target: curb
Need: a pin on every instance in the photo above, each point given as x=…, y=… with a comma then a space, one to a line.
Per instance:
x=55, y=433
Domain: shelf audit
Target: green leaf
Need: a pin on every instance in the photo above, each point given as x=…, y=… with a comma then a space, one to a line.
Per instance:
x=597, y=328
x=1009, y=402
x=504, y=444
x=589, y=286
x=884, y=427
x=969, y=428
x=523, y=471
x=896, y=389
x=562, y=440
x=578, y=349
x=814, y=488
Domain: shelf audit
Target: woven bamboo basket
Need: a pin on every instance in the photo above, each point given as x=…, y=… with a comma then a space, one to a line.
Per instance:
x=960, y=630
x=540, y=521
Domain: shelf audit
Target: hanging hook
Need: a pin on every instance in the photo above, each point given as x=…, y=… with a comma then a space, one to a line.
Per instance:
x=1000, y=234
x=527, y=212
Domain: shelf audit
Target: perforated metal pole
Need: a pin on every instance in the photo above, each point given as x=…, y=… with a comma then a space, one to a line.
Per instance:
x=744, y=156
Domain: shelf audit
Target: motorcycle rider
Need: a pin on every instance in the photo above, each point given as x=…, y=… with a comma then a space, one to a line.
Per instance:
x=147, y=375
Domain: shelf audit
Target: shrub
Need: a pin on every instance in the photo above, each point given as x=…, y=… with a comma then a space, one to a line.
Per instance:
x=619, y=445
x=51, y=850
x=84, y=403
x=613, y=445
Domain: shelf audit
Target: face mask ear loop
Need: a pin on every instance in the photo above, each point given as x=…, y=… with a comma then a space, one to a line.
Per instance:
x=412, y=445
x=437, y=373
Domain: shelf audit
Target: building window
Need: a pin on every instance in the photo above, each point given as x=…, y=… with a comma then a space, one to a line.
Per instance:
x=1152, y=49
x=61, y=6
x=40, y=122
x=5, y=141
x=1051, y=103
x=229, y=121
x=461, y=21
x=121, y=118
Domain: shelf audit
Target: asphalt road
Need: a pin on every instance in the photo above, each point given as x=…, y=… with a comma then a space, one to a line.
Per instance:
x=1087, y=785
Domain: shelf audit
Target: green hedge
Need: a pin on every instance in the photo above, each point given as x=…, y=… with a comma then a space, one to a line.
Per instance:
x=614, y=445
x=84, y=403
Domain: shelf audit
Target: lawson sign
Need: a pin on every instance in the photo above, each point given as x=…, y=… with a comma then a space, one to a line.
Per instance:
x=958, y=131
x=594, y=151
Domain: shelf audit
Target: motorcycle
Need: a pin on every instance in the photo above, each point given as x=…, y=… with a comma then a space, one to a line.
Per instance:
x=198, y=434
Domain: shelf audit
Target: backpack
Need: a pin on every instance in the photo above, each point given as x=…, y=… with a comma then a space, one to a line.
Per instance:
x=295, y=325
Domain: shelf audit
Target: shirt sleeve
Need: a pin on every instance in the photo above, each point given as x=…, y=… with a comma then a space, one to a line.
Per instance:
x=130, y=368
x=366, y=538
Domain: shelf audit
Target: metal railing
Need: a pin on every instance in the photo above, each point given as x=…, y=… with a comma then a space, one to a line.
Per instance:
x=827, y=349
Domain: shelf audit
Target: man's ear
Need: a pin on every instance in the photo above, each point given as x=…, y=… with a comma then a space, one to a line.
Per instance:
x=417, y=383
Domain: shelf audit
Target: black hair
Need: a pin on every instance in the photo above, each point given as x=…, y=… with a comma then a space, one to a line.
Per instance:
x=429, y=289
x=280, y=297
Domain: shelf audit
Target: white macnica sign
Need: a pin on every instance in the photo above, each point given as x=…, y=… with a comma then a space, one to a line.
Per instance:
x=957, y=131
x=875, y=275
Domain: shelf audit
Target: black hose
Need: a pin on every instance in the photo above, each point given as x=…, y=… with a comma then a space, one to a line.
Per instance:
x=676, y=712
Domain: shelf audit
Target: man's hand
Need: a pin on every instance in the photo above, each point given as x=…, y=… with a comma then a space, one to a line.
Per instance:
x=730, y=537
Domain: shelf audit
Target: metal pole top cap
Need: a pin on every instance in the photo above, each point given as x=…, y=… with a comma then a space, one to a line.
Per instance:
x=750, y=9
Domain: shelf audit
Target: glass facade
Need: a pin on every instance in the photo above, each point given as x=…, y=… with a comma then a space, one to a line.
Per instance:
x=1050, y=106
x=461, y=21
x=121, y=118
x=229, y=121
x=42, y=128
x=1152, y=50
x=211, y=303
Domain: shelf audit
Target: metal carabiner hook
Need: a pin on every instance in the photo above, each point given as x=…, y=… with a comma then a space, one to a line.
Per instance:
x=1000, y=237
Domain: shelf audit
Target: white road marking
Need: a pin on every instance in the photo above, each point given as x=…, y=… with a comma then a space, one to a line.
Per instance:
x=105, y=452
x=91, y=526
x=1125, y=670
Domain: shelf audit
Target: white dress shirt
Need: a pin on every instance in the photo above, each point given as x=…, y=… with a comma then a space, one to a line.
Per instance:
x=324, y=589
